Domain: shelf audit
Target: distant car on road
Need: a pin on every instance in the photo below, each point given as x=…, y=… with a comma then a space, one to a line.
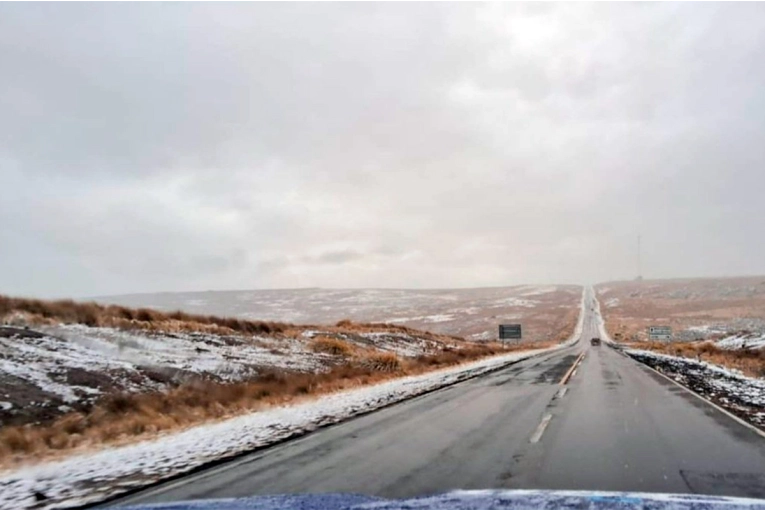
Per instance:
x=595, y=341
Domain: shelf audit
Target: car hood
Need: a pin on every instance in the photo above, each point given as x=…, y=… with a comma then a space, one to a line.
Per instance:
x=472, y=500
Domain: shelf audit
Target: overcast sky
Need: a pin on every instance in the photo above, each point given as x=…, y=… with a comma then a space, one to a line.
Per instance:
x=169, y=147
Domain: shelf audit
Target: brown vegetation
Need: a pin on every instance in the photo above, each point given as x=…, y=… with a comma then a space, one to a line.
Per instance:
x=750, y=362
x=629, y=308
x=382, y=362
x=124, y=417
x=333, y=346
x=92, y=314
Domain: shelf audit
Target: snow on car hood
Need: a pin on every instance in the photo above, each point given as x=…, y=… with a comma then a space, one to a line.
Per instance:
x=472, y=500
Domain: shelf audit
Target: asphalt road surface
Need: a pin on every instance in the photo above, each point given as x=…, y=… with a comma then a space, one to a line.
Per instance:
x=614, y=426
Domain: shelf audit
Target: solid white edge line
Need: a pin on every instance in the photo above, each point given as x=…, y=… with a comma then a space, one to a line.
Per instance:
x=700, y=397
x=616, y=347
x=540, y=429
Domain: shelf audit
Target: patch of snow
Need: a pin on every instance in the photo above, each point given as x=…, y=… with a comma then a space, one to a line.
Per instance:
x=719, y=379
x=742, y=342
x=400, y=343
x=37, y=375
x=514, y=301
x=535, y=291
x=423, y=318
x=192, y=352
x=123, y=357
x=439, y=318
x=6, y=406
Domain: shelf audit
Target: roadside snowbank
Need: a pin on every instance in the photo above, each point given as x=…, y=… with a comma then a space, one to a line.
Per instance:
x=742, y=342
x=92, y=477
x=730, y=389
x=743, y=396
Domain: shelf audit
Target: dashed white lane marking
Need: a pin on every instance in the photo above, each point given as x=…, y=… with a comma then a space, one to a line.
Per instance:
x=561, y=392
x=540, y=429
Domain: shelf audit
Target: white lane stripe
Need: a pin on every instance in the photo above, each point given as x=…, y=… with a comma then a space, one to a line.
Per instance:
x=540, y=429
x=561, y=392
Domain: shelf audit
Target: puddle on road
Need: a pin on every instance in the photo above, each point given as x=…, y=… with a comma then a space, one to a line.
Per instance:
x=555, y=373
x=750, y=485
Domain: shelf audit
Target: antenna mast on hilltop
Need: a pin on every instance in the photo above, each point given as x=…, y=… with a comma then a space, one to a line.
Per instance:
x=639, y=268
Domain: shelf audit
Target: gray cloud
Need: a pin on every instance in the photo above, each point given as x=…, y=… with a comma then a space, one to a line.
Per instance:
x=148, y=147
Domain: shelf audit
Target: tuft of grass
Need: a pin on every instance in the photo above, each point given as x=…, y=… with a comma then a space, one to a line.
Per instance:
x=333, y=346
x=381, y=362
x=16, y=440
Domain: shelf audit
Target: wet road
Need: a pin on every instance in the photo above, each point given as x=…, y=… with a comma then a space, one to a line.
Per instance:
x=615, y=425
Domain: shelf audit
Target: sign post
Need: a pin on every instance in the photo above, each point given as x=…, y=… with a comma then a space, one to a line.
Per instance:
x=509, y=332
x=663, y=333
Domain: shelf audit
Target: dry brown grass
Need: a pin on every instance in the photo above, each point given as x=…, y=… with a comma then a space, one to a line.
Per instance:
x=333, y=346
x=347, y=326
x=118, y=419
x=680, y=304
x=381, y=362
x=92, y=314
x=750, y=362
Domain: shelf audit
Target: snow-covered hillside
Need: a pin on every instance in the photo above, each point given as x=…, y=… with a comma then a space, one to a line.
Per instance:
x=469, y=313
x=50, y=370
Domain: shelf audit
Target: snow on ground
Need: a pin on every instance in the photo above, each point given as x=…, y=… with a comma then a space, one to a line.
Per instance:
x=75, y=365
x=192, y=352
x=744, y=396
x=514, y=301
x=485, y=335
x=536, y=291
x=94, y=476
x=424, y=318
x=742, y=342
x=119, y=360
x=410, y=347
x=473, y=310
x=741, y=395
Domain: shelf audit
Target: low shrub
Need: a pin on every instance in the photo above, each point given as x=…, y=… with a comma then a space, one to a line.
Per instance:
x=382, y=362
x=333, y=346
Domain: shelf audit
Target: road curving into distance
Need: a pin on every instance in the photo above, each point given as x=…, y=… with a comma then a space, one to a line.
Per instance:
x=614, y=425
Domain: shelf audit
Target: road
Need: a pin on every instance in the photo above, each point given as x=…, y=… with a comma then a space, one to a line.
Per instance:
x=614, y=426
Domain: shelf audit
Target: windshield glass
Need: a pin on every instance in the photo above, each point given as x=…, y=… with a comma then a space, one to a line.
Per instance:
x=389, y=250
